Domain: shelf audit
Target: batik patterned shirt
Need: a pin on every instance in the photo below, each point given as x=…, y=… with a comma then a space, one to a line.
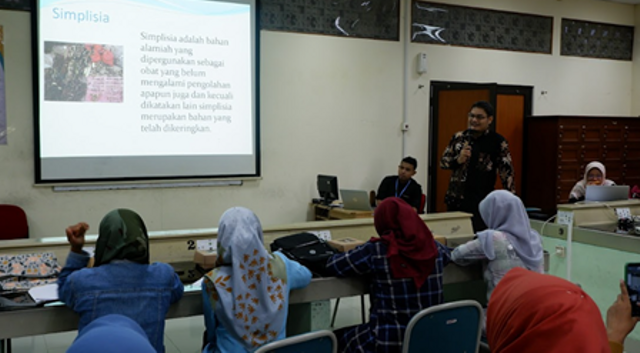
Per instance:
x=476, y=178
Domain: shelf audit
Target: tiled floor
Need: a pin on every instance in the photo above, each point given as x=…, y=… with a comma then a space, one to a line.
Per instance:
x=181, y=335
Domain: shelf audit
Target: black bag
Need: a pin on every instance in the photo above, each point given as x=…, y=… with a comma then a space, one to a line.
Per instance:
x=18, y=300
x=307, y=249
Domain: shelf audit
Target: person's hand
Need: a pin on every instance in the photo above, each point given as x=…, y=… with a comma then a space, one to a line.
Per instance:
x=75, y=236
x=619, y=320
x=465, y=154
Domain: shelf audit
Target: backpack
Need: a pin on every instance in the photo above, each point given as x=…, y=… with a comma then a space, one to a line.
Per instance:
x=306, y=248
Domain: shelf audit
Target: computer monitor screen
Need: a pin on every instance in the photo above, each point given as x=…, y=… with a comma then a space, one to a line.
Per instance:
x=328, y=187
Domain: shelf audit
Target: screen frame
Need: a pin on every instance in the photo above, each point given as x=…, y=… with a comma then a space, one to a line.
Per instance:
x=39, y=180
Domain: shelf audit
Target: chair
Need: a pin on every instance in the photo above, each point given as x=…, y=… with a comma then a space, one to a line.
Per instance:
x=423, y=201
x=14, y=223
x=14, y=226
x=451, y=327
x=323, y=341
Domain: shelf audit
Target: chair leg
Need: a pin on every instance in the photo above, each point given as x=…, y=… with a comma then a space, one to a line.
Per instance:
x=335, y=312
x=364, y=321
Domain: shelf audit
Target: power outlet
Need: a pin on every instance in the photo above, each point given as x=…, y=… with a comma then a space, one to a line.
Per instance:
x=322, y=234
x=623, y=212
x=565, y=217
x=561, y=251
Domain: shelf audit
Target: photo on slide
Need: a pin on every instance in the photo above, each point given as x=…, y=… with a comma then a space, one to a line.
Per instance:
x=77, y=72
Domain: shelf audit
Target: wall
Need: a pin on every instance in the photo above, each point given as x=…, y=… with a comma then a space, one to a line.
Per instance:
x=575, y=85
x=328, y=105
x=600, y=278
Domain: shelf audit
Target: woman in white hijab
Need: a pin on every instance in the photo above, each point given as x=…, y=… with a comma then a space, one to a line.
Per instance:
x=594, y=174
x=246, y=296
x=508, y=242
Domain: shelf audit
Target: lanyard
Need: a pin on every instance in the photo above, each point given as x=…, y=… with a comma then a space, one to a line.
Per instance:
x=403, y=190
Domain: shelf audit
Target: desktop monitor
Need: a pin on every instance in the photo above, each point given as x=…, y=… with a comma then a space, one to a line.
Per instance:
x=328, y=188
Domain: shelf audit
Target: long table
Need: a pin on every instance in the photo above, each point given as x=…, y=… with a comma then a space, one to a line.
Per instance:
x=178, y=246
x=59, y=318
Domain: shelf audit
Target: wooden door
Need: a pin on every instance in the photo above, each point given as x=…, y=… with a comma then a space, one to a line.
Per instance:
x=510, y=111
x=452, y=109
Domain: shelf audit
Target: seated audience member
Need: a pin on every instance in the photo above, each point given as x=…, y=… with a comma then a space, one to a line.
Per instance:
x=112, y=334
x=402, y=185
x=509, y=242
x=405, y=266
x=594, y=174
x=532, y=313
x=246, y=296
x=122, y=281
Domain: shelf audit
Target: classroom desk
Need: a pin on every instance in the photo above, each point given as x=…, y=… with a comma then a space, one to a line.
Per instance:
x=59, y=318
x=598, y=214
x=325, y=213
x=179, y=246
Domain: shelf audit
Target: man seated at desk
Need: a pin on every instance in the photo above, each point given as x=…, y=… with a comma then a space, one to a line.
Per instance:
x=402, y=185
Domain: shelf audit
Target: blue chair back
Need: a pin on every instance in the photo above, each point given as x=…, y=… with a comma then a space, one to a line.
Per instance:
x=447, y=328
x=323, y=341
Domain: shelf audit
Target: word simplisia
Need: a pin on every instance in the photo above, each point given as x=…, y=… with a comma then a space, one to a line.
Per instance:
x=80, y=16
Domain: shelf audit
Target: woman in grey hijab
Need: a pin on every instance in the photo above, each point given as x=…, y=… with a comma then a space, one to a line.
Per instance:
x=508, y=243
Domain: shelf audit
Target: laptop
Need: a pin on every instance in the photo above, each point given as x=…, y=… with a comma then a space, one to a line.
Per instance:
x=607, y=193
x=357, y=200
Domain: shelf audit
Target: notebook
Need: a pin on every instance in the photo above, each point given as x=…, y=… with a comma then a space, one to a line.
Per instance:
x=607, y=193
x=357, y=200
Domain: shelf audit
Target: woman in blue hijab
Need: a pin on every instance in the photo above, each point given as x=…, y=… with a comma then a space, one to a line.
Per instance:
x=508, y=242
x=246, y=297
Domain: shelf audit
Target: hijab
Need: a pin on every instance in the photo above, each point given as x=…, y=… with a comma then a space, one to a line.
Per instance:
x=412, y=251
x=122, y=236
x=580, y=189
x=532, y=312
x=504, y=212
x=112, y=333
x=247, y=290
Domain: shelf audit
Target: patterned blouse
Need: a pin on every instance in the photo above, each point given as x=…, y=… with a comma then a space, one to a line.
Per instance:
x=506, y=259
x=394, y=301
x=475, y=179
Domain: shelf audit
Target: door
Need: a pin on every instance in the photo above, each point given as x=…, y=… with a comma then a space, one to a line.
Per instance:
x=451, y=107
x=511, y=109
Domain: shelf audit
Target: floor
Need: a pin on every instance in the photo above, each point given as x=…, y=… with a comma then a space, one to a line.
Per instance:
x=181, y=335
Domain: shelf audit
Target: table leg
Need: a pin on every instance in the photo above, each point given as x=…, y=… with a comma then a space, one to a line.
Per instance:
x=335, y=312
x=364, y=321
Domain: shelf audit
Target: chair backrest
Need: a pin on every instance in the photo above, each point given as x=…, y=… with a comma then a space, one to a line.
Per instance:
x=423, y=201
x=323, y=341
x=446, y=328
x=13, y=223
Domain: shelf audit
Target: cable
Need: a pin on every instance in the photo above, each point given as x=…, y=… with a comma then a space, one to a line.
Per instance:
x=545, y=223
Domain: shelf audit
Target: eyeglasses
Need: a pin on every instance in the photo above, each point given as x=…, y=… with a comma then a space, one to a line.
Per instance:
x=477, y=116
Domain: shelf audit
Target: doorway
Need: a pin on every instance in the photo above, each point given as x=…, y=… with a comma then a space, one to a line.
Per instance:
x=450, y=102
